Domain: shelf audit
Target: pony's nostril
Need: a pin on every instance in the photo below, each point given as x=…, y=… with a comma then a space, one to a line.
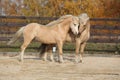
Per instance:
x=76, y=33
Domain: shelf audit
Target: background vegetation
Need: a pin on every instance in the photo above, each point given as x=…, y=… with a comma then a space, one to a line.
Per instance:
x=55, y=8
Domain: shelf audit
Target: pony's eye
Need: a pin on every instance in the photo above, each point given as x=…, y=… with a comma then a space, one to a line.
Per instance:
x=78, y=26
x=75, y=24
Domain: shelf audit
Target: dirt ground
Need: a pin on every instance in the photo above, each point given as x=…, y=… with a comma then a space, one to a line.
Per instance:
x=93, y=68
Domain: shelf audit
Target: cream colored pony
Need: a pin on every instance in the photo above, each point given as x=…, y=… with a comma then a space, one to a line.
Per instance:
x=55, y=34
x=81, y=39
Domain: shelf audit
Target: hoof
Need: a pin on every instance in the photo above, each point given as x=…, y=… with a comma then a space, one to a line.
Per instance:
x=20, y=60
x=77, y=59
x=61, y=61
x=52, y=60
x=45, y=60
x=80, y=61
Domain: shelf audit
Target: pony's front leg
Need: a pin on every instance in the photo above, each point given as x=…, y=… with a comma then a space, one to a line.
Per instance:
x=77, y=51
x=82, y=51
x=24, y=46
x=60, y=46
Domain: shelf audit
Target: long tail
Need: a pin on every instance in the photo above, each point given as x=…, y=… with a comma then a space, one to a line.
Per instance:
x=16, y=36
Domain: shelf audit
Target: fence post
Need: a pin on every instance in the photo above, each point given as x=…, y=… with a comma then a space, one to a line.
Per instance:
x=117, y=46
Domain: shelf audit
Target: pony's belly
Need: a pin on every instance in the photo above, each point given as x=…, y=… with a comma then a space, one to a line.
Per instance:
x=46, y=40
x=70, y=39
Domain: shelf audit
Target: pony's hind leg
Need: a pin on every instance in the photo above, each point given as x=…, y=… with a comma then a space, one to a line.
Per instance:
x=22, y=53
x=23, y=47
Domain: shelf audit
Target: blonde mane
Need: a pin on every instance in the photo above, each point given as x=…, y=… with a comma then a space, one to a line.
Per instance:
x=83, y=17
x=61, y=19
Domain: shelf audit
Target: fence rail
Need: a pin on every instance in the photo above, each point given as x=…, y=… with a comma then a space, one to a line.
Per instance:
x=53, y=18
x=29, y=17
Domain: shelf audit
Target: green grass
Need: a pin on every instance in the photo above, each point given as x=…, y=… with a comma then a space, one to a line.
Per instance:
x=16, y=47
x=97, y=47
x=110, y=47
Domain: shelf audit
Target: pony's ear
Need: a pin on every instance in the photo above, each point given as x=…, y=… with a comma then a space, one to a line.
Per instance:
x=75, y=18
x=87, y=18
x=84, y=17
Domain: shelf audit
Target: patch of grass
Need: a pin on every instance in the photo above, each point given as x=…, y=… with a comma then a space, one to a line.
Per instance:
x=16, y=47
x=110, y=47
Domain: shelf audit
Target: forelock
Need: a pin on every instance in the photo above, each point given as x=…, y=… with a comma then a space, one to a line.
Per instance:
x=83, y=16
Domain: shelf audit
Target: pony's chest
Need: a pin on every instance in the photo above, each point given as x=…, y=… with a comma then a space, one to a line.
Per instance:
x=85, y=37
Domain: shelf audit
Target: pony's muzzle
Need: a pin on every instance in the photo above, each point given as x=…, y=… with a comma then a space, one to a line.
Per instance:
x=76, y=33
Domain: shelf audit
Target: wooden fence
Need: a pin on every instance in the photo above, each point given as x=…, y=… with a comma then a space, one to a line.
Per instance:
x=103, y=30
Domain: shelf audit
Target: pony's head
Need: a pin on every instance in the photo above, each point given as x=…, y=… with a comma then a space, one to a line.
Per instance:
x=83, y=19
x=74, y=25
x=71, y=20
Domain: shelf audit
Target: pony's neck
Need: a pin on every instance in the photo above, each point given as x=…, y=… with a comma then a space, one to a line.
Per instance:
x=66, y=25
x=88, y=26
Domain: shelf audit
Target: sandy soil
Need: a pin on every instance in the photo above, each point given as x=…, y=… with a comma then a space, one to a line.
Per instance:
x=93, y=68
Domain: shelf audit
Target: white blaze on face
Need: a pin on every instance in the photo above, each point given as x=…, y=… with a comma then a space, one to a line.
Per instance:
x=83, y=18
x=74, y=28
x=83, y=21
x=75, y=25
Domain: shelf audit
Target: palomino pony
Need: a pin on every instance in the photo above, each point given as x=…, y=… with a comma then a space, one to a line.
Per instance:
x=48, y=35
x=81, y=39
